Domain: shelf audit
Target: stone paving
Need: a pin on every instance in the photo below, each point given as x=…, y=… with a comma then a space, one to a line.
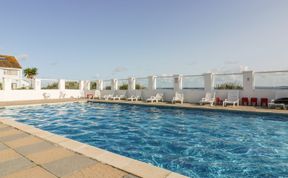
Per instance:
x=23, y=155
x=240, y=108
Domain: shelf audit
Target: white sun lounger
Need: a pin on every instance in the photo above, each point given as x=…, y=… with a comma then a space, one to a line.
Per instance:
x=208, y=99
x=97, y=94
x=158, y=97
x=132, y=98
x=179, y=97
x=107, y=97
x=118, y=97
x=62, y=95
x=233, y=98
x=278, y=95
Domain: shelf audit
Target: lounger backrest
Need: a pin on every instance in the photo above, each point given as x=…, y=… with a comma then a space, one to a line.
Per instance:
x=178, y=95
x=214, y=94
x=159, y=96
x=208, y=96
x=233, y=95
x=97, y=93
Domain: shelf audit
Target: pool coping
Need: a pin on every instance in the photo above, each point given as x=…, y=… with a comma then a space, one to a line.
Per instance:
x=129, y=165
x=242, y=109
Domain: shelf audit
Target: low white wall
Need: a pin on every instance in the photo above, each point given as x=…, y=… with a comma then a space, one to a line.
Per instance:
x=17, y=95
x=195, y=95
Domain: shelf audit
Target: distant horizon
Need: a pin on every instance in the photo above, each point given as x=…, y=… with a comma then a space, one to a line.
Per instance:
x=121, y=39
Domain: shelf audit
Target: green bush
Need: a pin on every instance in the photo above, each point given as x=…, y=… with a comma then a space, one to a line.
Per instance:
x=108, y=88
x=72, y=85
x=123, y=87
x=51, y=86
x=229, y=86
x=93, y=85
x=139, y=87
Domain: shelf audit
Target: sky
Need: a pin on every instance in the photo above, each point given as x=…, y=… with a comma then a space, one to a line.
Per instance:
x=93, y=39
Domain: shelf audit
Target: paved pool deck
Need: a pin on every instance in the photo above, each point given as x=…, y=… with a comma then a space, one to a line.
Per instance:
x=251, y=109
x=29, y=152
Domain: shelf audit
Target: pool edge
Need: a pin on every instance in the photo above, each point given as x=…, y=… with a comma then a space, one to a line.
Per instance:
x=190, y=106
x=126, y=164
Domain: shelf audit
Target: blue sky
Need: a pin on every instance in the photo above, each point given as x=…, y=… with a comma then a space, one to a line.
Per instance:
x=91, y=39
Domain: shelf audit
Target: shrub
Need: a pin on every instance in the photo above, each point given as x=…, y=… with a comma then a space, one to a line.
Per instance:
x=123, y=87
x=229, y=86
x=51, y=86
x=139, y=87
x=93, y=86
x=72, y=85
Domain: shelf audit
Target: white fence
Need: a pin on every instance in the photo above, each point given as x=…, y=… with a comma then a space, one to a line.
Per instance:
x=249, y=84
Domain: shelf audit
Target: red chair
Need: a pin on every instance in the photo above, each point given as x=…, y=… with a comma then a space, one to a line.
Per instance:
x=219, y=101
x=264, y=102
x=254, y=101
x=89, y=96
x=245, y=101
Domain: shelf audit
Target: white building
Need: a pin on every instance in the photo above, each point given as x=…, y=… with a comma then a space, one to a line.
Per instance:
x=10, y=68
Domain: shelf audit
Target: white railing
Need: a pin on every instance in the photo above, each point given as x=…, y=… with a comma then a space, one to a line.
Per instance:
x=165, y=82
x=249, y=83
x=193, y=82
x=232, y=81
x=49, y=84
x=141, y=83
x=107, y=85
x=271, y=80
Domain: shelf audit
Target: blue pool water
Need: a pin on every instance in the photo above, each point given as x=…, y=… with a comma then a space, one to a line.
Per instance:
x=195, y=143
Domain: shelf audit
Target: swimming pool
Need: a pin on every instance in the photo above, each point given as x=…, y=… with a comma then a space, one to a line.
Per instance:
x=196, y=143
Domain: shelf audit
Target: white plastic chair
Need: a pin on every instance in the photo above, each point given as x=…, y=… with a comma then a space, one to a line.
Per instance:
x=208, y=99
x=179, y=97
x=233, y=98
x=158, y=97
x=278, y=95
x=97, y=94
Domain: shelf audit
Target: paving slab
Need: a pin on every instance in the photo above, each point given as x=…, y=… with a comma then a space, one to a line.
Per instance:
x=8, y=132
x=50, y=155
x=8, y=154
x=34, y=148
x=23, y=141
x=2, y=147
x=14, y=165
x=4, y=128
x=12, y=137
x=97, y=171
x=68, y=165
x=33, y=172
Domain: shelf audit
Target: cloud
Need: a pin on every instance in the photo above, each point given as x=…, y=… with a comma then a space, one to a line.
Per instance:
x=230, y=69
x=243, y=68
x=53, y=63
x=119, y=69
x=231, y=62
x=23, y=57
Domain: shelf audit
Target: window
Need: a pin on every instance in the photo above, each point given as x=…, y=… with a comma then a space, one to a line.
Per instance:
x=10, y=72
x=141, y=83
x=232, y=81
x=47, y=84
x=270, y=80
x=72, y=85
x=107, y=85
x=165, y=82
x=193, y=82
x=123, y=84
x=93, y=85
